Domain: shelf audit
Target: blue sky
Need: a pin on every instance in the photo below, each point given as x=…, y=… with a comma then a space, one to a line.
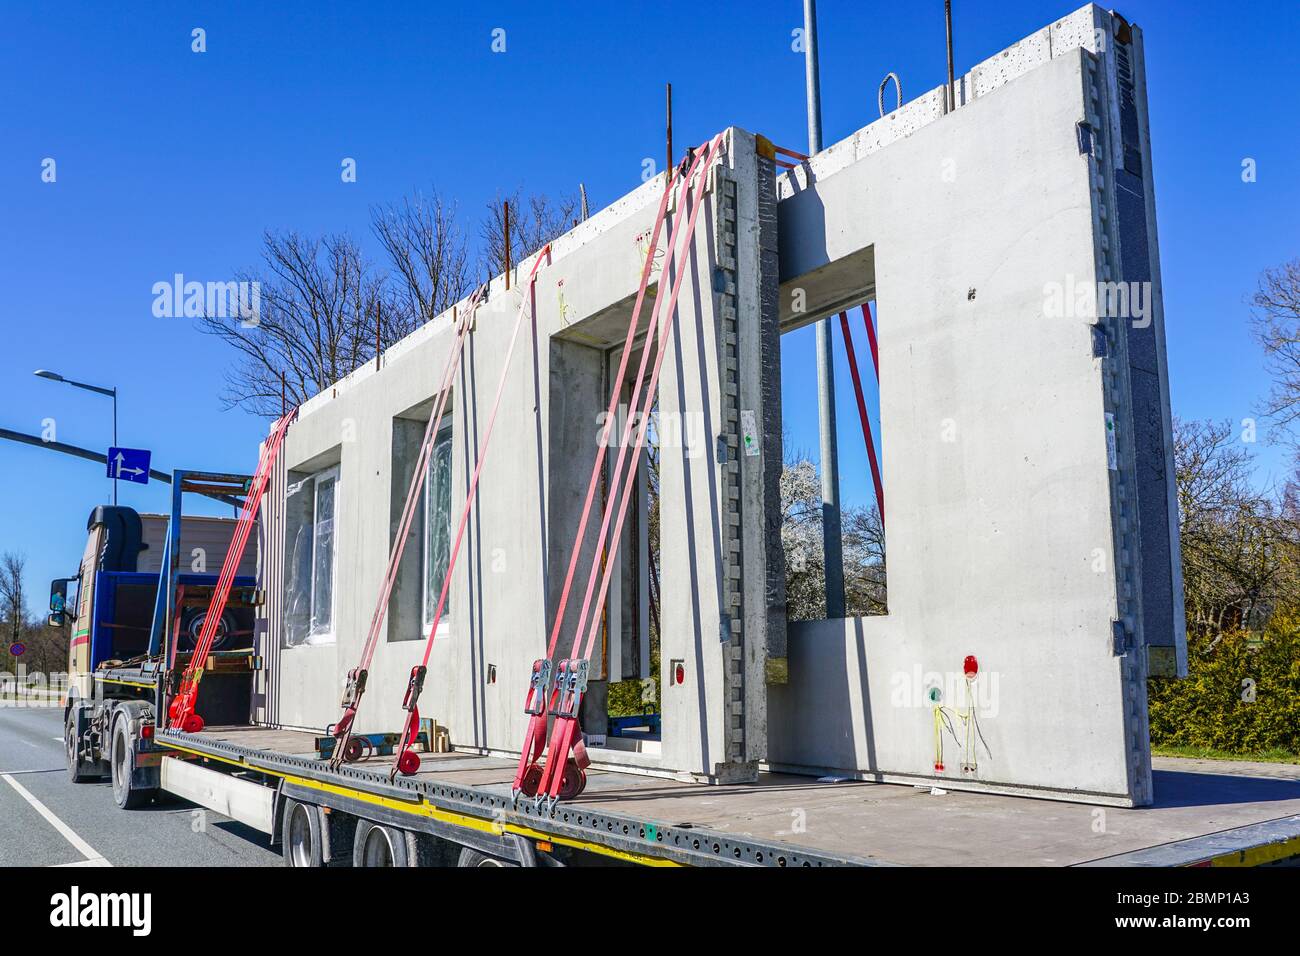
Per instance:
x=171, y=161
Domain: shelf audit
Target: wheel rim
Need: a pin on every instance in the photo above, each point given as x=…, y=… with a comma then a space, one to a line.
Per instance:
x=224, y=627
x=492, y=862
x=378, y=850
x=300, y=840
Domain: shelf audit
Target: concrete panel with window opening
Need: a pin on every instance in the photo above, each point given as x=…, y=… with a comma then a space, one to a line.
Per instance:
x=1029, y=512
x=719, y=596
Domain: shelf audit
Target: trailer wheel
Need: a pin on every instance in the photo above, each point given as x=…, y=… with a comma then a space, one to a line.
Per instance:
x=473, y=858
x=301, y=836
x=380, y=845
x=79, y=771
x=121, y=764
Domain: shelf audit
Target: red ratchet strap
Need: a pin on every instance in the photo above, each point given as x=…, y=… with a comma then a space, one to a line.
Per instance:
x=181, y=712
x=540, y=694
x=407, y=761
x=862, y=405
x=642, y=421
x=561, y=776
x=356, y=685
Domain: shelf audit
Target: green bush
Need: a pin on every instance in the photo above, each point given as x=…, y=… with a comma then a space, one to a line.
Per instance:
x=1242, y=693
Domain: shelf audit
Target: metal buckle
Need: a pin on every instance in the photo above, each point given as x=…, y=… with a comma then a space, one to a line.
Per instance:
x=413, y=687
x=356, y=687
x=538, y=686
x=571, y=681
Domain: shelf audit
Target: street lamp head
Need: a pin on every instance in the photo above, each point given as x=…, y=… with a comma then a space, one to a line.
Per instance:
x=45, y=373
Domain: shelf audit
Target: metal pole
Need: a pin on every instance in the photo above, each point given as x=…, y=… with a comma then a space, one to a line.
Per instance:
x=669, y=129
x=115, y=442
x=952, y=89
x=505, y=226
x=832, y=541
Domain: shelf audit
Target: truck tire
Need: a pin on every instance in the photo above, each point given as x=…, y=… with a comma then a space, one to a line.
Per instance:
x=380, y=845
x=79, y=770
x=121, y=763
x=300, y=835
x=474, y=858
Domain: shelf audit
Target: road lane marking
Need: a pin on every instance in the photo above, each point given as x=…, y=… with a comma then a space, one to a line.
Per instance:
x=4, y=773
x=65, y=831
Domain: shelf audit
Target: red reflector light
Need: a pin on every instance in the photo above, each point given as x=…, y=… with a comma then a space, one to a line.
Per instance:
x=679, y=674
x=147, y=731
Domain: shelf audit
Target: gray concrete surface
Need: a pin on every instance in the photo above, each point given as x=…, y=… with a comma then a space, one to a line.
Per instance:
x=1029, y=511
x=1012, y=454
x=168, y=833
x=718, y=617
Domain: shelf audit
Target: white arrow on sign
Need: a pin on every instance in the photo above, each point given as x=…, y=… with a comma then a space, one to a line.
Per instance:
x=128, y=471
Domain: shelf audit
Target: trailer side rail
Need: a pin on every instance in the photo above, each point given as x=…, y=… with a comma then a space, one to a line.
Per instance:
x=437, y=804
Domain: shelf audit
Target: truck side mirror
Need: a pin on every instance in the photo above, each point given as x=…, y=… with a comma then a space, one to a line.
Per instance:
x=58, y=596
x=55, y=619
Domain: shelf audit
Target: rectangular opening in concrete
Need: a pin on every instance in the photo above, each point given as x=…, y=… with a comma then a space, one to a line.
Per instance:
x=311, y=505
x=630, y=638
x=424, y=559
x=860, y=454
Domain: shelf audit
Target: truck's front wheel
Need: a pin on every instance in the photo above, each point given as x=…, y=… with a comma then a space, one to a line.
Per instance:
x=79, y=770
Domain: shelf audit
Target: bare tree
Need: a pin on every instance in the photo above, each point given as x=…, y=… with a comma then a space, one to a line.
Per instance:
x=47, y=647
x=322, y=302
x=534, y=221
x=1277, y=328
x=13, y=600
x=426, y=249
x=865, y=589
x=1238, y=544
x=315, y=323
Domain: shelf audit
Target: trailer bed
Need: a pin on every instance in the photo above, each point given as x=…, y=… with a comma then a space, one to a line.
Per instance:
x=1205, y=811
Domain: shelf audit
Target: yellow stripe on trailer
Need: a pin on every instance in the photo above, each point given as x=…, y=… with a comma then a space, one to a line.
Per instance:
x=424, y=809
x=124, y=683
x=1257, y=855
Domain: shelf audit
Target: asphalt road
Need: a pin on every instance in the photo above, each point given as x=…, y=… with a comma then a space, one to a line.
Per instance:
x=46, y=820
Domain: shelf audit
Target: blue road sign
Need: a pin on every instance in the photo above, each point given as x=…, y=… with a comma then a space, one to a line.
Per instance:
x=129, y=464
x=17, y=648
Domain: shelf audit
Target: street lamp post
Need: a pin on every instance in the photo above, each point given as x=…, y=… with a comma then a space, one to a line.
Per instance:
x=110, y=392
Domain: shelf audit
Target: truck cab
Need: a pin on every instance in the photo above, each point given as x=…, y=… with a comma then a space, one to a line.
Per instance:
x=142, y=595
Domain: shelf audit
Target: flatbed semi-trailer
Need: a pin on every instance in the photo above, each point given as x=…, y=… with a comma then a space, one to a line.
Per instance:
x=458, y=811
